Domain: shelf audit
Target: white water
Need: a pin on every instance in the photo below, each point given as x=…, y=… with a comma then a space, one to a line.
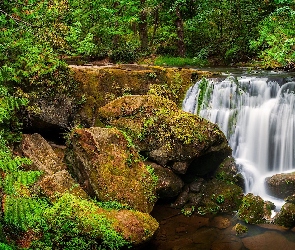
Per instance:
x=258, y=118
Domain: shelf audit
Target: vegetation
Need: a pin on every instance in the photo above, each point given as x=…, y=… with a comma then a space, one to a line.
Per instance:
x=37, y=37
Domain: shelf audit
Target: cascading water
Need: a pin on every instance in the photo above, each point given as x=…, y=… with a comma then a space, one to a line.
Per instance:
x=258, y=118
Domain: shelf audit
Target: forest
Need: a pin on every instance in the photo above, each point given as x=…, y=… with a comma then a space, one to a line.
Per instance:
x=39, y=37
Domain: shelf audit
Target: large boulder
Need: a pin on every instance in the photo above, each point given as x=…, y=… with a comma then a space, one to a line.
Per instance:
x=166, y=134
x=105, y=162
x=281, y=185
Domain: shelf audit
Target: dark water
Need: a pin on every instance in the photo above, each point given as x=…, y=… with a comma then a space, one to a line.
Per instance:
x=179, y=232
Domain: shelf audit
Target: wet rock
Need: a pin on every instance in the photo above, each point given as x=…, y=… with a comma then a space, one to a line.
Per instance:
x=169, y=184
x=240, y=229
x=182, y=198
x=220, y=222
x=196, y=185
x=227, y=242
x=220, y=196
x=281, y=185
x=254, y=210
x=167, y=135
x=290, y=199
x=286, y=216
x=267, y=240
x=180, y=167
x=108, y=163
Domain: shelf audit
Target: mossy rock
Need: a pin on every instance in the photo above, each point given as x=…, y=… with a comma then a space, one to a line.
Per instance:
x=254, y=209
x=220, y=197
x=281, y=185
x=72, y=221
x=286, y=216
x=107, y=165
x=100, y=85
x=166, y=134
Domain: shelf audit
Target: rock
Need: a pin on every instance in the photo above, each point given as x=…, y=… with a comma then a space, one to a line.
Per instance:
x=44, y=159
x=220, y=222
x=281, y=185
x=196, y=185
x=100, y=223
x=180, y=167
x=102, y=85
x=106, y=163
x=167, y=135
x=290, y=199
x=182, y=198
x=268, y=240
x=220, y=196
x=240, y=229
x=254, y=210
x=286, y=216
x=58, y=183
x=55, y=180
x=169, y=184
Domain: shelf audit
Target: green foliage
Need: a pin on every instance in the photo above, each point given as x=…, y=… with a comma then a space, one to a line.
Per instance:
x=276, y=39
x=24, y=212
x=73, y=223
x=180, y=61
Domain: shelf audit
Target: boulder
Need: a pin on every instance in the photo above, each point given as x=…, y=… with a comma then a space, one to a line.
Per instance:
x=281, y=185
x=114, y=228
x=254, y=209
x=286, y=216
x=167, y=135
x=55, y=179
x=106, y=163
x=169, y=184
x=43, y=157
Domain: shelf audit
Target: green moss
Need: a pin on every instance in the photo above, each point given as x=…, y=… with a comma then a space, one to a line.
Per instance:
x=252, y=209
x=220, y=197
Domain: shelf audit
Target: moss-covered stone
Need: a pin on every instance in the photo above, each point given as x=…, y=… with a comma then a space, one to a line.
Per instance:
x=71, y=217
x=286, y=216
x=220, y=197
x=100, y=85
x=240, y=229
x=254, y=210
x=107, y=165
x=281, y=185
x=165, y=133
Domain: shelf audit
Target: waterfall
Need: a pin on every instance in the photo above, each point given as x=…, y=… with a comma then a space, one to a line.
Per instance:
x=257, y=116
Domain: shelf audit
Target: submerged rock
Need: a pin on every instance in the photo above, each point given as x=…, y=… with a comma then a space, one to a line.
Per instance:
x=107, y=165
x=167, y=135
x=281, y=185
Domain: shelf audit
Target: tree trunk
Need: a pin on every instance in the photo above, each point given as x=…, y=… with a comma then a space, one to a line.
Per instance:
x=143, y=30
x=180, y=33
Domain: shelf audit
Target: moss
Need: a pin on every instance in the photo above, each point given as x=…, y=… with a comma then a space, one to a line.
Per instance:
x=253, y=209
x=286, y=216
x=240, y=229
x=114, y=168
x=102, y=85
x=220, y=197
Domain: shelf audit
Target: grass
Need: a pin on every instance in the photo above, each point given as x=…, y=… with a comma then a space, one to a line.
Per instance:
x=180, y=61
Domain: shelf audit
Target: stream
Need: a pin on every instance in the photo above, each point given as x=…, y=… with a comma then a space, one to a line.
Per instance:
x=256, y=112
